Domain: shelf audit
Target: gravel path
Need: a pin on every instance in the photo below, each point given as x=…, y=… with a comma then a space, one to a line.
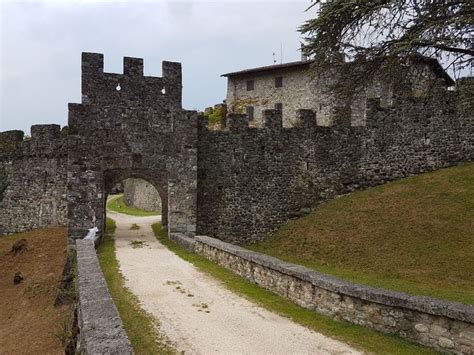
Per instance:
x=199, y=314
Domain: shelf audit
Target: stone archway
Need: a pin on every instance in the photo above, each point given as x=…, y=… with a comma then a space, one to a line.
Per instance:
x=159, y=180
x=130, y=125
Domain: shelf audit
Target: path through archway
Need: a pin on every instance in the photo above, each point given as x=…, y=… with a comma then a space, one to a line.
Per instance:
x=196, y=312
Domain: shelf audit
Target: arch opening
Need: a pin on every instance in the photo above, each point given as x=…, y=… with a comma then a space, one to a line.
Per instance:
x=136, y=192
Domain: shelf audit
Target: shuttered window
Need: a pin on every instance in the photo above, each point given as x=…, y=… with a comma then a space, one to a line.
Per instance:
x=278, y=81
x=250, y=112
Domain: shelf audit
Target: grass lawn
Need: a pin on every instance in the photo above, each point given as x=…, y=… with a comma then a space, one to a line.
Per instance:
x=139, y=325
x=117, y=204
x=414, y=235
x=357, y=336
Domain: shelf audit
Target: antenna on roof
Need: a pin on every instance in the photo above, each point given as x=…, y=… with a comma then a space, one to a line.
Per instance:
x=281, y=53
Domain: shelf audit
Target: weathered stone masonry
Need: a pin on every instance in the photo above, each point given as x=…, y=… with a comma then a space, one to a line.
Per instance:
x=445, y=326
x=130, y=126
x=101, y=330
x=237, y=185
x=252, y=180
x=36, y=169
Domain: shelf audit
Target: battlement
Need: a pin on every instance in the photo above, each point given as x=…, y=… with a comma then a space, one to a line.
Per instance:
x=273, y=122
x=457, y=101
x=45, y=132
x=109, y=88
x=93, y=64
x=10, y=140
x=45, y=139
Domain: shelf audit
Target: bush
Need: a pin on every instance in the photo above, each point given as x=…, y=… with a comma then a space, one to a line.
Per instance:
x=217, y=116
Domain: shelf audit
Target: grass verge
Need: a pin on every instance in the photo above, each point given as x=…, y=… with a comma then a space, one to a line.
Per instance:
x=139, y=325
x=117, y=204
x=413, y=235
x=357, y=336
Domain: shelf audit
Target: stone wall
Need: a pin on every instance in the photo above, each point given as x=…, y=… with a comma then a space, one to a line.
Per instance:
x=444, y=326
x=237, y=184
x=252, y=180
x=36, y=175
x=130, y=126
x=100, y=327
x=142, y=195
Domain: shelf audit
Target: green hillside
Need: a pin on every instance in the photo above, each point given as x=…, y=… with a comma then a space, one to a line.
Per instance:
x=414, y=235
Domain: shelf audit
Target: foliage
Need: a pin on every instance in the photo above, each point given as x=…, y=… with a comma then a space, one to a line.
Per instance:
x=412, y=235
x=139, y=325
x=357, y=336
x=391, y=29
x=117, y=204
x=3, y=181
x=217, y=116
x=240, y=105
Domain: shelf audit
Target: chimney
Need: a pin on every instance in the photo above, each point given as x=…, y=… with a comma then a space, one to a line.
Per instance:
x=304, y=57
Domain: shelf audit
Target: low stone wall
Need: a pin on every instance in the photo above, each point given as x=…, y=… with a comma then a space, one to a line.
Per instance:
x=445, y=326
x=100, y=327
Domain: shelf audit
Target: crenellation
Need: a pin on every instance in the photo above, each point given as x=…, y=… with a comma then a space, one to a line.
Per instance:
x=172, y=71
x=47, y=132
x=132, y=66
x=237, y=122
x=306, y=118
x=92, y=63
x=10, y=141
x=272, y=120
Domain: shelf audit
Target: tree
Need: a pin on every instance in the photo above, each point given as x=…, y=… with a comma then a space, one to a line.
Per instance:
x=391, y=29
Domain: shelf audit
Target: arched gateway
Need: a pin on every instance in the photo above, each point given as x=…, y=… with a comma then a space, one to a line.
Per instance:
x=130, y=126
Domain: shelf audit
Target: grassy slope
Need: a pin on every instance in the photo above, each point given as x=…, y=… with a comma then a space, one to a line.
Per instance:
x=357, y=336
x=139, y=325
x=414, y=235
x=117, y=204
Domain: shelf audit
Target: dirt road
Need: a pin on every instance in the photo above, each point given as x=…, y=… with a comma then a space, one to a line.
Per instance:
x=199, y=314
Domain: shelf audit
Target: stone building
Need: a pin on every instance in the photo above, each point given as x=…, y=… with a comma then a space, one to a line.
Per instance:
x=292, y=86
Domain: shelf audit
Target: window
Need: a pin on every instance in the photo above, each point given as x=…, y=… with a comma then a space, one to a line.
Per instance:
x=250, y=112
x=278, y=81
x=279, y=106
x=250, y=85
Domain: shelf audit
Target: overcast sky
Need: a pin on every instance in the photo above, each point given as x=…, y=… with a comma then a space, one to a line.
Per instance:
x=41, y=45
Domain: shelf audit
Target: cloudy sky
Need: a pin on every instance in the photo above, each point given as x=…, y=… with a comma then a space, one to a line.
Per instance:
x=42, y=41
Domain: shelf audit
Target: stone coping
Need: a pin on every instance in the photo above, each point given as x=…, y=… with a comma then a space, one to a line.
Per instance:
x=183, y=240
x=100, y=327
x=453, y=310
